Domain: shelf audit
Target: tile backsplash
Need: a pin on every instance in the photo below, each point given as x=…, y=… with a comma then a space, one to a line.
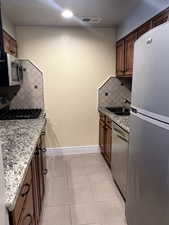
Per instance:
x=31, y=94
x=113, y=92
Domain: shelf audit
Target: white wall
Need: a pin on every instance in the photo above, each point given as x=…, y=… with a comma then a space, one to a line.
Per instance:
x=75, y=62
x=143, y=12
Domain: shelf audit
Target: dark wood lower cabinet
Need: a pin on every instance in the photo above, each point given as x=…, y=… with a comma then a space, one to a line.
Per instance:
x=36, y=197
x=105, y=138
x=108, y=144
x=28, y=216
x=29, y=203
x=43, y=158
x=101, y=135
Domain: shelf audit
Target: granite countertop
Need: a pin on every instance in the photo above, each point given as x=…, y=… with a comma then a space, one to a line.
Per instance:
x=18, y=139
x=122, y=121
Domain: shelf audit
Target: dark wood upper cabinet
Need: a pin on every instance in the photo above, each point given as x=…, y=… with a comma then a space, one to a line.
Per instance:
x=124, y=55
x=144, y=28
x=2, y=55
x=129, y=53
x=120, y=58
x=10, y=44
x=160, y=19
x=125, y=47
x=7, y=44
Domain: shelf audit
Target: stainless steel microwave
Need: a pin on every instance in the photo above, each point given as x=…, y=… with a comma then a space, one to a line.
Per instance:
x=15, y=71
x=11, y=72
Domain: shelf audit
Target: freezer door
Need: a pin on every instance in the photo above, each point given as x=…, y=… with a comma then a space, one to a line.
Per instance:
x=147, y=200
x=151, y=71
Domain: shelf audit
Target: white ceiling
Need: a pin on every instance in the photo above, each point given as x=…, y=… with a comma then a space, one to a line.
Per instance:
x=47, y=12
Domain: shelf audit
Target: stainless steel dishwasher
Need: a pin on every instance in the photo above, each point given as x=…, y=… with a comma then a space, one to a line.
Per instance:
x=119, y=157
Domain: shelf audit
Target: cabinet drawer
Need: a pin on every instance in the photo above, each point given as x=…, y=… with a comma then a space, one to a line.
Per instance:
x=27, y=215
x=25, y=190
x=108, y=122
x=102, y=117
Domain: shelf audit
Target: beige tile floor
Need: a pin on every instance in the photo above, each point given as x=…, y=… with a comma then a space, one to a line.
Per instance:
x=80, y=191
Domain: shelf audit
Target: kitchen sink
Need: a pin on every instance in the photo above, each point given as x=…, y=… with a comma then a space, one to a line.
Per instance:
x=121, y=111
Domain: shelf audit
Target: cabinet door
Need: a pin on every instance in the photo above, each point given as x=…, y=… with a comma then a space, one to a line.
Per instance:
x=10, y=45
x=6, y=40
x=36, y=192
x=13, y=47
x=160, y=19
x=129, y=53
x=108, y=144
x=40, y=174
x=120, y=58
x=144, y=28
x=27, y=216
x=38, y=170
x=22, y=197
x=1, y=36
x=101, y=136
x=43, y=163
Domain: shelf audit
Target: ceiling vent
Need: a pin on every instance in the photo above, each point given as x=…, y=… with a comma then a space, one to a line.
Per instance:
x=92, y=20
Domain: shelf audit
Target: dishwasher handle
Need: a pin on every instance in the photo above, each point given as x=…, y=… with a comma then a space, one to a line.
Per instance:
x=121, y=134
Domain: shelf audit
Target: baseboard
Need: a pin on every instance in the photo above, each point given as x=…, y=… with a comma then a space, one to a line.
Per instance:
x=73, y=150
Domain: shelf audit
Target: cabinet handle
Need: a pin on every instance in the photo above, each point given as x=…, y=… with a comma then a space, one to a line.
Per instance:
x=27, y=186
x=37, y=152
x=31, y=219
x=44, y=150
x=45, y=171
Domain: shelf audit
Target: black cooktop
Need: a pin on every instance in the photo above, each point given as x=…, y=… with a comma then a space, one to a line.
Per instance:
x=18, y=114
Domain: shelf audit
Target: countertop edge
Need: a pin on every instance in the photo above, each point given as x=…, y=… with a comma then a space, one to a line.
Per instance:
x=112, y=116
x=10, y=205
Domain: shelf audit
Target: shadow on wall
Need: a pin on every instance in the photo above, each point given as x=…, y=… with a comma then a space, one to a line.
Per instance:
x=51, y=138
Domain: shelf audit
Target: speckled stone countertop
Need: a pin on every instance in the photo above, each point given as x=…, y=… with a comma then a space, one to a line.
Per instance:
x=18, y=139
x=122, y=121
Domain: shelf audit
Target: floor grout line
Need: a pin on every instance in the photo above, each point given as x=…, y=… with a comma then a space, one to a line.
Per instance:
x=68, y=184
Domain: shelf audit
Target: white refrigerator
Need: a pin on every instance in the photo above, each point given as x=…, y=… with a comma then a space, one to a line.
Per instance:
x=147, y=201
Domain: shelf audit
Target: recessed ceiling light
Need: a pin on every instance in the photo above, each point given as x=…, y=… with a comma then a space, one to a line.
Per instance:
x=67, y=14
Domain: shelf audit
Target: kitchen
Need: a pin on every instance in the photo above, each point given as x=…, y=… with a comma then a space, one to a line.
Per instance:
x=66, y=162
